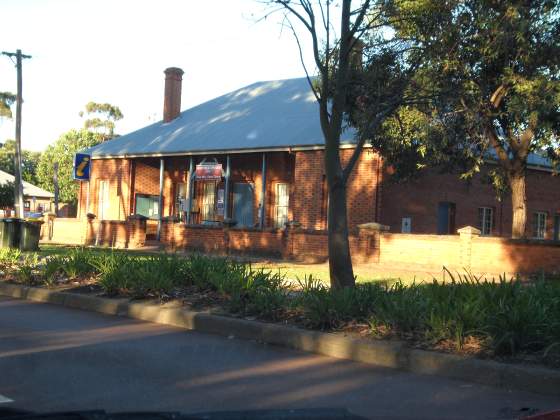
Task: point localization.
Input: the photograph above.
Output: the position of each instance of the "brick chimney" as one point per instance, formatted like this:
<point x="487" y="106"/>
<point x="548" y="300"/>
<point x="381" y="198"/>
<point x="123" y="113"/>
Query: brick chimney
<point x="172" y="98"/>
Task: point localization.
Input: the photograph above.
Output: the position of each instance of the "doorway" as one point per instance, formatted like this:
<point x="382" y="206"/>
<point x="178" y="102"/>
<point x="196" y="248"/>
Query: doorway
<point x="243" y="198"/>
<point x="446" y="218"/>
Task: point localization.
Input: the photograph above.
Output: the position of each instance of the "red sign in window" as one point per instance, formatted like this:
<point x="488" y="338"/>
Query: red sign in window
<point x="209" y="171"/>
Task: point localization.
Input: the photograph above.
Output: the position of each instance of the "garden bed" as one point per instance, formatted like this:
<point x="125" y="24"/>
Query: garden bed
<point x="506" y="320"/>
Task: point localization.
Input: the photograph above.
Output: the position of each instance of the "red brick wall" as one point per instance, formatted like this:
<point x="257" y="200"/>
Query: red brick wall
<point x="500" y="255"/>
<point x="65" y="231"/>
<point x="419" y="252"/>
<point x="312" y="246"/>
<point x="121" y="234"/>
<point x="309" y="201"/>
<point x="117" y="173"/>
<point x="419" y="200"/>
<point x="490" y="256"/>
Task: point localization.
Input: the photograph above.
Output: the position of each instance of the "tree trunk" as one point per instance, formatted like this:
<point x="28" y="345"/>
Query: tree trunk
<point x="340" y="263"/>
<point x="519" y="204"/>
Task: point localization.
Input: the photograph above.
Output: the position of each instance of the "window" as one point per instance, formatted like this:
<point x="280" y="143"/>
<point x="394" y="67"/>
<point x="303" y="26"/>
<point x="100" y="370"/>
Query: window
<point x="180" y="199"/>
<point x="281" y="205"/>
<point x="147" y="205"/>
<point x="103" y="203"/>
<point x="486" y="220"/>
<point x="539" y="225"/>
<point x="27" y="205"/>
<point x="208" y="201"/>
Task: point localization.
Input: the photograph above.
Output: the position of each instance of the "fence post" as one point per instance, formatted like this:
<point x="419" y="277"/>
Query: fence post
<point x="466" y="235"/>
<point x="369" y="241"/>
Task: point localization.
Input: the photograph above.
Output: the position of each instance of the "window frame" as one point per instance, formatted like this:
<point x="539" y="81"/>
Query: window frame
<point x="536" y="225"/>
<point x="278" y="224"/>
<point x="154" y="197"/>
<point x="486" y="220"/>
<point x="177" y="211"/>
<point x="210" y="205"/>
<point x="103" y="200"/>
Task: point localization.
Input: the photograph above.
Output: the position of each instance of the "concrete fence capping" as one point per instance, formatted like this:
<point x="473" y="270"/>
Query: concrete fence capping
<point x="373" y="227"/>
<point x="375" y="352"/>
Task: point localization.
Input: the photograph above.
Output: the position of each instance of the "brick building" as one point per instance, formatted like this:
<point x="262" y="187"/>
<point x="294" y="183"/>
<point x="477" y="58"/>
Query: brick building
<point x="250" y="161"/>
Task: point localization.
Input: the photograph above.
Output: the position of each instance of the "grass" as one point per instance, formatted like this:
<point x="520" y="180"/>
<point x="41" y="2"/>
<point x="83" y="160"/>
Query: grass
<point x="293" y="271"/>
<point x="497" y="318"/>
<point x="365" y="273"/>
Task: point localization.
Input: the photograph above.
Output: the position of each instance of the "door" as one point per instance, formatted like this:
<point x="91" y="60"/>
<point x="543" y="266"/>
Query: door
<point x="103" y="210"/>
<point x="282" y="204"/>
<point x="208" y="202"/>
<point x="243" y="204"/>
<point x="557" y="227"/>
<point x="446" y="218"/>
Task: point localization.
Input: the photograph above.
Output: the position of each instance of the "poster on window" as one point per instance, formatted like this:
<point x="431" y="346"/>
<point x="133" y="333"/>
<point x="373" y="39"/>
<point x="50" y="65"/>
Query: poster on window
<point x="208" y="171"/>
<point x="220" y="201"/>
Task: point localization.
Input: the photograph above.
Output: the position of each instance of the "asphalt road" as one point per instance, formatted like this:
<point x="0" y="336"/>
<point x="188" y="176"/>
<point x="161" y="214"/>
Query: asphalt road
<point x="54" y="358"/>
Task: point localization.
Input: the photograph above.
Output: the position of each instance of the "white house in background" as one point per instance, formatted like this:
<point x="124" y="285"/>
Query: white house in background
<point x="35" y="199"/>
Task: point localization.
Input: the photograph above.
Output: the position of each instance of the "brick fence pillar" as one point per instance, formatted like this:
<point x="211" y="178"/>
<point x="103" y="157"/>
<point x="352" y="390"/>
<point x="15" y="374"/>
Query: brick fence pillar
<point x="466" y="235"/>
<point x="89" y="232"/>
<point x="288" y="240"/>
<point x="136" y="230"/>
<point x="369" y="241"/>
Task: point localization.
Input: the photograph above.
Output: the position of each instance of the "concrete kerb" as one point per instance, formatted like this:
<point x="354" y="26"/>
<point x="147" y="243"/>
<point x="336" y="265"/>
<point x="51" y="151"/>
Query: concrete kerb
<point x="390" y="354"/>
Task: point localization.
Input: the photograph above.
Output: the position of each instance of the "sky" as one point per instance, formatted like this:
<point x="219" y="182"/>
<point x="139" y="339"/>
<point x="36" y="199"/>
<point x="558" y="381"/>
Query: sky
<point x="115" y="51"/>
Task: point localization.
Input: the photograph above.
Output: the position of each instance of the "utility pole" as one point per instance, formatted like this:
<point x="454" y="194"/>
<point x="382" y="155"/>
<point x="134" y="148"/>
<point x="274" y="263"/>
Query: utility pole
<point x="56" y="189"/>
<point x="17" y="158"/>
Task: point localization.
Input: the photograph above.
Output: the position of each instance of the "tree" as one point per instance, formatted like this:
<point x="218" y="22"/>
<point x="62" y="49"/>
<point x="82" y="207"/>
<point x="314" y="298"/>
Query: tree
<point x="6" y="101"/>
<point x="7" y="194"/>
<point x="62" y="152"/>
<point x="350" y="91"/>
<point x="29" y="161"/>
<point x="102" y="118"/>
<point x="497" y="71"/>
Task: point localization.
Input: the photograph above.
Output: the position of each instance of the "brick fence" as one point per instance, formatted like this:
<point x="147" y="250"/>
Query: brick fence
<point x="467" y="251"/>
<point x="290" y="243"/>
<point x="130" y="233"/>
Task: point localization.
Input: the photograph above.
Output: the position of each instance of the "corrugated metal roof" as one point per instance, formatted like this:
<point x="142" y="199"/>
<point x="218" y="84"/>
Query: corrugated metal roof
<point x="29" y="190"/>
<point x="277" y="114"/>
<point x="265" y="115"/>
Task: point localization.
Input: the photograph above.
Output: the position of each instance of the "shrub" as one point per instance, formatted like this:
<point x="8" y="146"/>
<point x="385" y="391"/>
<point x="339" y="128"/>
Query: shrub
<point x="26" y="267"/>
<point x="114" y="273"/>
<point x="156" y="275"/>
<point x="9" y="257"/>
<point x="78" y="263"/>
<point x="51" y="270"/>
<point x="505" y="316"/>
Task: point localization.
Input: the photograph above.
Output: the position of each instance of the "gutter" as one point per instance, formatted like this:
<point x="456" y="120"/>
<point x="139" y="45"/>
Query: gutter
<point x="222" y="152"/>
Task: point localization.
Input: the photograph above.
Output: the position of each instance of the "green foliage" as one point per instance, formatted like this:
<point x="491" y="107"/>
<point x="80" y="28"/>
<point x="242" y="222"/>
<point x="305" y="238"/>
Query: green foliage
<point x="9" y="257"/>
<point x="26" y="267"/>
<point x="77" y="263"/>
<point x="505" y="317"/>
<point x="6" y="101"/>
<point x="62" y="152"/>
<point x="102" y="118"/>
<point x="494" y="78"/>
<point x="29" y="161"/>
<point x="250" y="291"/>
<point x="52" y="269"/>
<point x="7" y="194"/>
